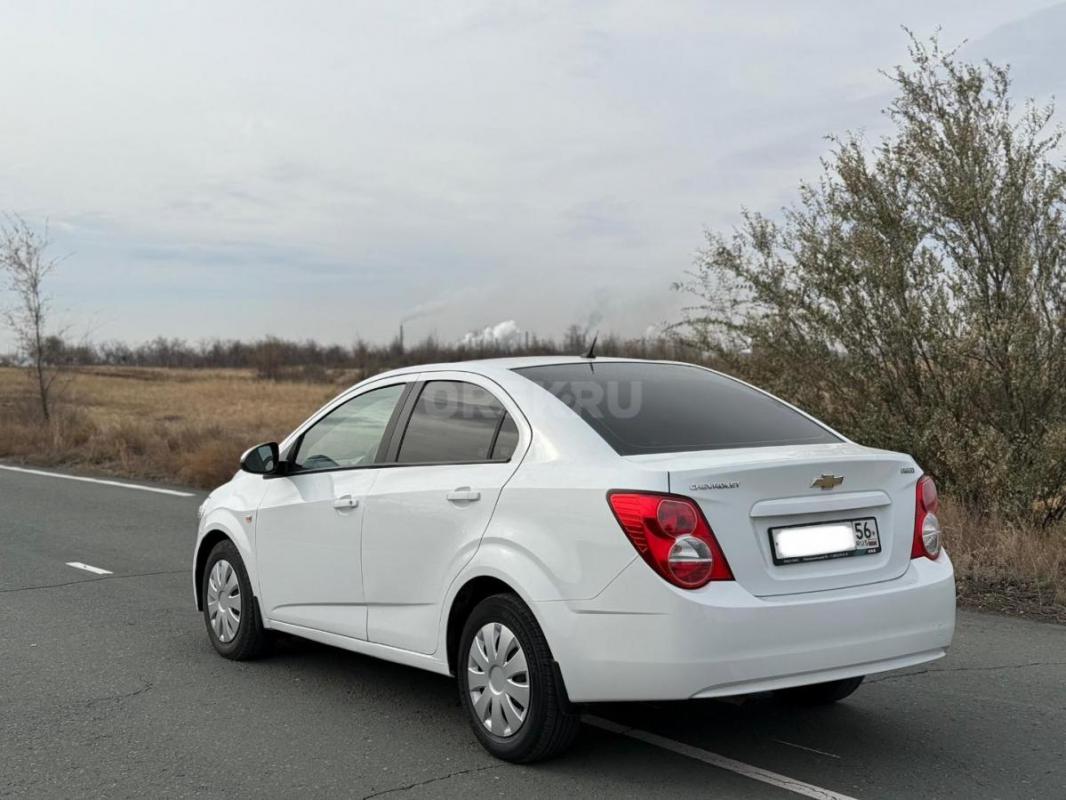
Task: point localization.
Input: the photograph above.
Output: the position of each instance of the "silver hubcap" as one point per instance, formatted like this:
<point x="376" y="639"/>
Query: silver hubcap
<point x="498" y="680"/>
<point x="224" y="601"/>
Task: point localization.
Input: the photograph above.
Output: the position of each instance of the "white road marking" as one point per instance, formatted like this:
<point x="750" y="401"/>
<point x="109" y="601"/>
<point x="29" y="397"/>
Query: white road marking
<point x="121" y="484"/>
<point x="715" y="760"/>
<point x="88" y="568"/>
<point x="808" y="749"/>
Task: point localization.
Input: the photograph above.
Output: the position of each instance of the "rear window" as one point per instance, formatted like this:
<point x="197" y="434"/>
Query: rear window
<point x="669" y="408"/>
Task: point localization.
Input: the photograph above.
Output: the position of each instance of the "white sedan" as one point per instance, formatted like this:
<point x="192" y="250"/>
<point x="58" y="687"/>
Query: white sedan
<point x="557" y="531"/>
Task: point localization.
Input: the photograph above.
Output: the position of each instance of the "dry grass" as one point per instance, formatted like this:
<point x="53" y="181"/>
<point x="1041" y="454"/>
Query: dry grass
<point x="190" y="426"/>
<point x="183" y="426"/>
<point x="1002" y="566"/>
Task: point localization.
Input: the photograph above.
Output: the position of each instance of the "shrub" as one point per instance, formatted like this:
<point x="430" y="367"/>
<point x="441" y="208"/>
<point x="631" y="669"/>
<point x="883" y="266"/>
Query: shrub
<point x="913" y="295"/>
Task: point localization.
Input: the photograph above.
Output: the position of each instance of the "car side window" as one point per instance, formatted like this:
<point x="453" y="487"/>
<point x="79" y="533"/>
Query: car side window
<point x="453" y="422"/>
<point x="349" y="436"/>
<point x="506" y="440"/>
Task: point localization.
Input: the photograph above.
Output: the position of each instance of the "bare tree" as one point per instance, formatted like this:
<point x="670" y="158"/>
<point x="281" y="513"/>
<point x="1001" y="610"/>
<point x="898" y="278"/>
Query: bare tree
<point x="23" y="260"/>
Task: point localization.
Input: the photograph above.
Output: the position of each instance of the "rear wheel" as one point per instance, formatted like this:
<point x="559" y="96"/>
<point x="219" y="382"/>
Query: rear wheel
<point x="230" y="611"/>
<point x="820" y="694"/>
<point x="508" y="683"/>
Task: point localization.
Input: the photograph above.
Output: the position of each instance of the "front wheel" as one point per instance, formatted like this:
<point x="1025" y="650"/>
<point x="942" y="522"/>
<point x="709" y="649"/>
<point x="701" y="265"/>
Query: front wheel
<point x="230" y="611"/>
<point x="508" y="683"/>
<point x="820" y="694"/>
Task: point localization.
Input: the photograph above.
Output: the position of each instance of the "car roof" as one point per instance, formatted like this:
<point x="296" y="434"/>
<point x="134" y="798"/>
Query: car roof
<point x="491" y="366"/>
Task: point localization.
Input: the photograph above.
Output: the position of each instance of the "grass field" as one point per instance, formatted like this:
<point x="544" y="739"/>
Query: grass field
<point x="190" y="426"/>
<point x="183" y="426"/>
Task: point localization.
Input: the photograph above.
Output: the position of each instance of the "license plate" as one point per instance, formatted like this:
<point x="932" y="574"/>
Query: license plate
<point x="822" y="541"/>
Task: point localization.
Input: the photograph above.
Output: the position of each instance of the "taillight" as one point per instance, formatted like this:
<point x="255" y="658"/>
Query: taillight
<point x="926" y="525"/>
<point x="671" y="534"/>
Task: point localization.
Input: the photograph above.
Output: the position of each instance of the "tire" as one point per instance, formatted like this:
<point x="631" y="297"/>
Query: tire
<point x="549" y="724"/>
<point x="820" y="694"/>
<point x="242" y="638"/>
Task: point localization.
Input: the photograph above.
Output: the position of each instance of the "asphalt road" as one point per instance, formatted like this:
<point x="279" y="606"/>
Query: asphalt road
<point x="109" y="688"/>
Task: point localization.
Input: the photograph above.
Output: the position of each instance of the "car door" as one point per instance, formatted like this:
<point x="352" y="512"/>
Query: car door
<point x="310" y="522"/>
<point x="458" y="445"/>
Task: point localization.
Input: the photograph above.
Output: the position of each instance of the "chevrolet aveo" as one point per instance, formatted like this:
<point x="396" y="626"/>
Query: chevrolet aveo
<point x="558" y="531"/>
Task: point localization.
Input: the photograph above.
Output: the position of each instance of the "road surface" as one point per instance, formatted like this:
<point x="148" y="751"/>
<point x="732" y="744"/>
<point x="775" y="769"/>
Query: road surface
<point x="109" y="688"/>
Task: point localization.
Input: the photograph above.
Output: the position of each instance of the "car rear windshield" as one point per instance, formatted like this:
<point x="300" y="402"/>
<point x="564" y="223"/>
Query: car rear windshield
<point x="640" y="407"/>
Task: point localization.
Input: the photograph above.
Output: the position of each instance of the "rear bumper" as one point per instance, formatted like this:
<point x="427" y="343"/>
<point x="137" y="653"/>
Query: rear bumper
<point x="642" y="639"/>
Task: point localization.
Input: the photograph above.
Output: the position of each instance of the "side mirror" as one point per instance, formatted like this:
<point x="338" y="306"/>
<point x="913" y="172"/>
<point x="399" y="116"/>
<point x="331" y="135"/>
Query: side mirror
<point x="263" y="459"/>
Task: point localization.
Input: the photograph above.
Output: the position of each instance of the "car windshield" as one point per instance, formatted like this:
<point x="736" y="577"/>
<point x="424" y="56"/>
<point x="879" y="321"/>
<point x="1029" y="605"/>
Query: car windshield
<point x="642" y="407"/>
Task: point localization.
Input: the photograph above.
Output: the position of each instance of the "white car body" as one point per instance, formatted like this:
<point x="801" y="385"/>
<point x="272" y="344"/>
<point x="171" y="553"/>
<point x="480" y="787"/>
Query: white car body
<point x="381" y="574"/>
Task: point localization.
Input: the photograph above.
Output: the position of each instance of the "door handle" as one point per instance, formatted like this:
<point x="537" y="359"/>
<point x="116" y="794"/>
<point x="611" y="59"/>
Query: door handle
<point x="345" y="502"/>
<point x="463" y="495"/>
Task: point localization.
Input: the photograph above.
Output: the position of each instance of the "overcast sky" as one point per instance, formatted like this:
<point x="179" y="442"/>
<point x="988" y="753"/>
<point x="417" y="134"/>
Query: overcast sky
<point x="326" y="169"/>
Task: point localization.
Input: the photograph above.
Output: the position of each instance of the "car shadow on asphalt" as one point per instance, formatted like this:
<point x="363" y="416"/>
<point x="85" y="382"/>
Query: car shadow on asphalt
<point x="739" y="727"/>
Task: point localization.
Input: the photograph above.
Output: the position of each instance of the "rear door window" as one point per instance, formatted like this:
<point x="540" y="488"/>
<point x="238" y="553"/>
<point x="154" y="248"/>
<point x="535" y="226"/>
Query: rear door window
<point x="454" y="422"/>
<point x="642" y="407"/>
<point x="506" y="440"/>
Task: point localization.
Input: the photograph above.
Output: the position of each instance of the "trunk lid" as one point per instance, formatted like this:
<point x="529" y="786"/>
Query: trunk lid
<point x="745" y="493"/>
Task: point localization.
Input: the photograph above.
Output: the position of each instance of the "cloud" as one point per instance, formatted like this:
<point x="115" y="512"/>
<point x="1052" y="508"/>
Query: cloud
<point x="328" y="172"/>
<point x="1032" y="46"/>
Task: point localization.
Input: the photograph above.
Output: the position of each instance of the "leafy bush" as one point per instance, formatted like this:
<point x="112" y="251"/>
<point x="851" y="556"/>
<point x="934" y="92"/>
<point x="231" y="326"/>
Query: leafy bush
<point x="913" y="294"/>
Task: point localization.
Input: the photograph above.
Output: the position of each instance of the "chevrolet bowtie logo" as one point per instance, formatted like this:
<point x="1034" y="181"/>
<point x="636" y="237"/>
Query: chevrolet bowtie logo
<point x="827" y="481"/>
